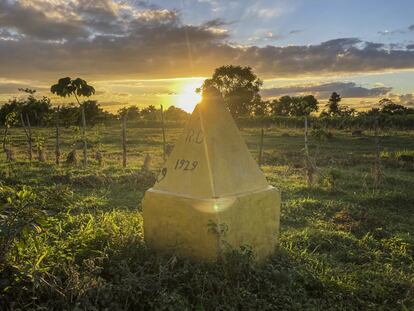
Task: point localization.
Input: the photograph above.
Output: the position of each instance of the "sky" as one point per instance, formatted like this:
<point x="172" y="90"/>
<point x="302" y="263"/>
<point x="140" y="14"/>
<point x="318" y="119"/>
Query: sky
<point x="157" y="52"/>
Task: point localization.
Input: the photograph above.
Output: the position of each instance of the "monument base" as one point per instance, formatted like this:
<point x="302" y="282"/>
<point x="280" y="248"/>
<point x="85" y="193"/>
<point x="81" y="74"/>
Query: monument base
<point x="205" y="228"/>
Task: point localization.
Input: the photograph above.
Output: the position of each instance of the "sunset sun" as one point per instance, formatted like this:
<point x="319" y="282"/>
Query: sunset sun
<point x="187" y="97"/>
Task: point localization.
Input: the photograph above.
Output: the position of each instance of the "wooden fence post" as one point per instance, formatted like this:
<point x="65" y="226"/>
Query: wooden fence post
<point x="85" y="147"/>
<point x="261" y="147"/>
<point x="57" y="147"/>
<point x="377" y="168"/>
<point x="28" y="131"/>
<point x="306" y="137"/>
<point x="164" y="143"/>
<point x="124" y="144"/>
<point x="308" y="164"/>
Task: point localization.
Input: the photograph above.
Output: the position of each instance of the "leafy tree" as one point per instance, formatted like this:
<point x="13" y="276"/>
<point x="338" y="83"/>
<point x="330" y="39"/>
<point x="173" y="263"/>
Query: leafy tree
<point x="77" y="87"/>
<point x="334" y="109"/>
<point x="305" y="105"/>
<point x="260" y="108"/>
<point x="239" y="87"/>
<point x="389" y="107"/>
<point x="333" y="104"/>
<point x="280" y="107"/>
<point x="131" y="112"/>
<point x="10" y="120"/>
<point x="12" y="106"/>
<point x="94" y="112"/>
<point x="294" y="106"/>
<point x="175" y="114"/>
<point x="69" y="114"/>
<point x="39" y="111"/>
<point x="149" y="113"/>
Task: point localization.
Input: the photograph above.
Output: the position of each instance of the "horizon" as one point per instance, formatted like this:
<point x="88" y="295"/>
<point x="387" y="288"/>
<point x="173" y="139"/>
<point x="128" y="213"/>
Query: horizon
<point x="157" y="52"/>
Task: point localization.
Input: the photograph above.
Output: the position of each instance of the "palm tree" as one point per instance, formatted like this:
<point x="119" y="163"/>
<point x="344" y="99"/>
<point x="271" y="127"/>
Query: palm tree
<point x="77" y="87"/>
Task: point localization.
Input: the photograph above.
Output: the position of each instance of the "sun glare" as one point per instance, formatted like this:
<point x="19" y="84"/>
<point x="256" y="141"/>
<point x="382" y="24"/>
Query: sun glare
<point x="188" y="98"/>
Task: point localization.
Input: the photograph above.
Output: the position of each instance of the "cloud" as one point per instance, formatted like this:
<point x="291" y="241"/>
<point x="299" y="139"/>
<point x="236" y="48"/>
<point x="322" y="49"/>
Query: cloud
<point x="339" y="56"/>
<point x="35" y="23"/>
<point x="396" y="31"/>
<point x="324" y="90"/>
<point x="391" y="32"/>
<point x="217" y="22"/>
<point x="118" y="39"/>
<point x="295" y="31"/>
<point x="406" y="99"/>
<point x="11" y="86"/>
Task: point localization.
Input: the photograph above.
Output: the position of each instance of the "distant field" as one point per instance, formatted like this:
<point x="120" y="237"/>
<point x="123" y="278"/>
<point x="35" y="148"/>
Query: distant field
<point x="344" y="245"/>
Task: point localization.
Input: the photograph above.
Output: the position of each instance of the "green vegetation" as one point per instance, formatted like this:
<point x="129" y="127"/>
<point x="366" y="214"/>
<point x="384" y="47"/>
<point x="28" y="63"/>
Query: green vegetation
<point x="72" y="238"/>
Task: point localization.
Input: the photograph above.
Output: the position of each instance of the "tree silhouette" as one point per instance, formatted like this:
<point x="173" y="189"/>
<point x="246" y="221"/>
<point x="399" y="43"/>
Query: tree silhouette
<point x="333" y="104"/>
<point x="391" y="108"/>
<point x="294" y="106"/>
<point x="77" y="87"/>
<point x="239" y="87"/>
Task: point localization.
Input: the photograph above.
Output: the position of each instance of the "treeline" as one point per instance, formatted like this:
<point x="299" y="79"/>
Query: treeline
<point x="290" y="111"/>
<point x="240" y="89"/>
<point x="41" y="112"/>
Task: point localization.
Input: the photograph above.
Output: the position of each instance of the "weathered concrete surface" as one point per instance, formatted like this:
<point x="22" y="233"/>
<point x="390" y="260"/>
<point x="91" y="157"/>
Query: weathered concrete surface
<point x="211" y="194"/>
<point x="206" y="228"/>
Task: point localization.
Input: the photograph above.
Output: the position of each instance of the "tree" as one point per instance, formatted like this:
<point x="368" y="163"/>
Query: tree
<point x="131" y="112"/>
<point x="304" y="106"/>
<point x="260" y="108"/>
<point x="239" y="87"/>
<point x="281" y="107"/>
<point x="39" y="111"/>
<point x="10" y="120"/>
<point x="175" y="114"/>
<point x="94" y="113"/>
<point x="69" y="114"/>
<point x="77" y="87"/>
<point x="391" y="108"/>
<point x="333" y="104"/>
<point x="149" y="113"/>
<point x="294" y="106"/>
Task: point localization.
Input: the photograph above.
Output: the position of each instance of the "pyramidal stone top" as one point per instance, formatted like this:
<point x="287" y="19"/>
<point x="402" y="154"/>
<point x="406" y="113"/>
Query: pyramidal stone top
<point x="211" y="159"/>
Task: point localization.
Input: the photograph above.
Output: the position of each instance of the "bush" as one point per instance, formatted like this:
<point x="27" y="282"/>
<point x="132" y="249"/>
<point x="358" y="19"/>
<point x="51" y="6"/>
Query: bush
<point x="19" y="215"/>
<point x="321" y="134"/>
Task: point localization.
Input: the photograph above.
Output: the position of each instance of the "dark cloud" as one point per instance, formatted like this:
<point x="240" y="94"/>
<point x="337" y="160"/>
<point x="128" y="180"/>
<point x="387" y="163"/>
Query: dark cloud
<point x="295" y="31"/>
<point x="411" y="27"/>
<point x="34" y="23"/>
<point x="410" y="47"/>
<point x="217" y="22"/>
<point x="101" y="39"/>
<point x="328" y="58"/>
<point x="323" y="91"/>
<point x="373" y="46"/>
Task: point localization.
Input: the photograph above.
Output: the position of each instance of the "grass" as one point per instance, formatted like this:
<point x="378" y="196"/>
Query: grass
<point x="344" y="245"/>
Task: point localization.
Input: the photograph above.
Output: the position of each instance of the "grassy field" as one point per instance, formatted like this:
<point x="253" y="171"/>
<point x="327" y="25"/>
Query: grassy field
<point x="344" y="245"/>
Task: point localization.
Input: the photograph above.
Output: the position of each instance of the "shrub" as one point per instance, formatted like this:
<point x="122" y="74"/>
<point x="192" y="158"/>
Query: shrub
<point x="321" y="134"/>
<point x="19" y="215"/>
